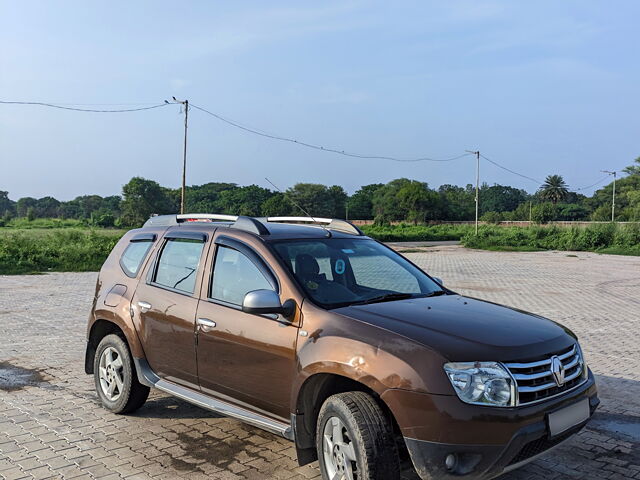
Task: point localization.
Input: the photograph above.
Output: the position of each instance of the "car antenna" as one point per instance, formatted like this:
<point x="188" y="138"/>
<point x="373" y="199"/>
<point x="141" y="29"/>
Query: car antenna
<point x="298" y="205"/>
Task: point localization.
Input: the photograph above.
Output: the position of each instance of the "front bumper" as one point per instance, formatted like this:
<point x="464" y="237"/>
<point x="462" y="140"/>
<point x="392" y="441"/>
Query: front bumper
<point x="495" y="440"/>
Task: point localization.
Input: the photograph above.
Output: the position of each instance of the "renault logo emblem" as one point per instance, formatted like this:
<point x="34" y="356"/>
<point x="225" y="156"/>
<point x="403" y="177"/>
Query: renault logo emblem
<point x="557" y="369"/>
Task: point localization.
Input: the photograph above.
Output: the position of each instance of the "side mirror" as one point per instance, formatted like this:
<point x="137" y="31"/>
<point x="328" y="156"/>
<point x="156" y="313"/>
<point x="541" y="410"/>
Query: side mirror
<point x="261" y="302"/>
<point x="438" y="280"/>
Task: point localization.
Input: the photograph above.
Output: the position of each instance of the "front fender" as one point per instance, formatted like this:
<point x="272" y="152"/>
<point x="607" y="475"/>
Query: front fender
<point x="356" y="360"/>
<point x="367" y="354"/>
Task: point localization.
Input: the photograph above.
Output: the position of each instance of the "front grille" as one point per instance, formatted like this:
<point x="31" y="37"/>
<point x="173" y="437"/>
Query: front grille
<point x="535" y="381"/>
<point x="535" y="447"/>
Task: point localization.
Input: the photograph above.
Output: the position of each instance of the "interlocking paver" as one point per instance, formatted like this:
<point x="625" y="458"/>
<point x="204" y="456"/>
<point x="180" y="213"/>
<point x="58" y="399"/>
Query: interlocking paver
<point x="54" y="427"/>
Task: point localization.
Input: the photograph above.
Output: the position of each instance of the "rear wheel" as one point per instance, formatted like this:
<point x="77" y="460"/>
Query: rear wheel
<point x="355" y="440"/>
<point x="115" y="377"/>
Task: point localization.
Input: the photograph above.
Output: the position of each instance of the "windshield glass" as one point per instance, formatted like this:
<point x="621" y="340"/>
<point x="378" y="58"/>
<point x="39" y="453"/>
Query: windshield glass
<point x="336" y="272"/>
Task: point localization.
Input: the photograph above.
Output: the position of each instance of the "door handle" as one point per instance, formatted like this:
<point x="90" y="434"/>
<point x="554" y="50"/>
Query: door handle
<point x="205" y="324"/>
<point x="144" y="306"/>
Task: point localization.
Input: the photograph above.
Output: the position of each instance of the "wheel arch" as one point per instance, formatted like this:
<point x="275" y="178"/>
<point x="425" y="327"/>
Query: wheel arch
<point x="311" y="396"/>
<point x="100" y="329"/>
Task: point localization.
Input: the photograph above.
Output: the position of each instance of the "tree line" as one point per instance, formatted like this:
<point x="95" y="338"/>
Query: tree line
<point x="399" y="200"/>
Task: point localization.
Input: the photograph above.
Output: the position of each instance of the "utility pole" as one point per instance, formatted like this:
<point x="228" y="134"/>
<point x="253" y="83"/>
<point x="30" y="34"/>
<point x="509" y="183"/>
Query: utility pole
<point x="530" y="211"/>
<point x="184" y="153"/>
<point x="477" y="154"/>
<point x="613" y="201"/>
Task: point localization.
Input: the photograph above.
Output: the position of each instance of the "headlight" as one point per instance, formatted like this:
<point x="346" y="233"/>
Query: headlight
<point x="482" y="383"/>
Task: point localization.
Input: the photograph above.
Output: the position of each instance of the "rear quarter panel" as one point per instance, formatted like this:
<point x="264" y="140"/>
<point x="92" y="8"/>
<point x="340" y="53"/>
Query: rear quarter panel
<point x="114" y="290"/>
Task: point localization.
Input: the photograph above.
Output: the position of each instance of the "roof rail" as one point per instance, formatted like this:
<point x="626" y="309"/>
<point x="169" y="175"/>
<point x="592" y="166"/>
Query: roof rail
<point x="251" y="224"/>
<point x="186" y="217"/>
<point x="189" y="217"/>
<point x="331" y="223"/>
<point x="248" y="224"/>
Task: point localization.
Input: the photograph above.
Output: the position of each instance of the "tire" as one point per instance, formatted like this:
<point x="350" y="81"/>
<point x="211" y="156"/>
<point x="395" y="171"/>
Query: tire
<point x="115" y="377"/>
<point x="364" y="448"/>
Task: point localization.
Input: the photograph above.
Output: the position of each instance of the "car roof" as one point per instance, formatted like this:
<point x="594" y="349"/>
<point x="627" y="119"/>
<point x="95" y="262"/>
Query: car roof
<point x="267" y="228"/>
<point x="280" y="231"/>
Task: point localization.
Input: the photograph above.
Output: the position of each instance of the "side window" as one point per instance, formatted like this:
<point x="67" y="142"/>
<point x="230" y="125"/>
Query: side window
<point x="234" y="275"/>
<point x="133" y="256"/>
<point x="178" y="264"/>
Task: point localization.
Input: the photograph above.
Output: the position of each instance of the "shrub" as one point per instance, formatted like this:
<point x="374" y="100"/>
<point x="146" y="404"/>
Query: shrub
<point x="492" y="217"/>
<point x="602" y="213"/>
<point x="628" y="236"/>
<point x="609" y="238"/>
<point x="66" y="250"/>
<point x="104" y="220"/>
<point x="543" y="213"/>
<point x="415" y="233"/>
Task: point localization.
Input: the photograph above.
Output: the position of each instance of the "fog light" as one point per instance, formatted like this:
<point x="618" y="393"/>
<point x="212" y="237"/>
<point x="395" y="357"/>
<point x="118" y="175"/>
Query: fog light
<point x="451" y="461"/>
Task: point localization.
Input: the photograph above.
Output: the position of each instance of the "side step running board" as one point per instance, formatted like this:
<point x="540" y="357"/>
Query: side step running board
<point x="147" y="377"/>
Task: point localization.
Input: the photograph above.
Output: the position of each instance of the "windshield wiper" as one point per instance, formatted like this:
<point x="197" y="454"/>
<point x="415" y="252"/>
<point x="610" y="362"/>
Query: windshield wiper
<point x="435" y="293"/>
<point x="387" y="297"/>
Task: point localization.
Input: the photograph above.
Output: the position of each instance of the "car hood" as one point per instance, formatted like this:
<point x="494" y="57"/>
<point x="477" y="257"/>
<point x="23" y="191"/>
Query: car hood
<point x="465" y="329"/>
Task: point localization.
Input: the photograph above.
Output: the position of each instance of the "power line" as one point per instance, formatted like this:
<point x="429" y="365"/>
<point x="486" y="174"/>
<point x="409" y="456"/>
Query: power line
<point x="262" y="133"/>
<point x="593" y="184"/>
<point x="75" y="109"/>
<point x="320" y="147"/>
<point x="511" y="171"/>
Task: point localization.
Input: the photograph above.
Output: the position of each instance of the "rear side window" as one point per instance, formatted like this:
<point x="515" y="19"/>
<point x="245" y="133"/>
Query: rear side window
<point x="178" y="264"/>
<point x="133" y="256"/>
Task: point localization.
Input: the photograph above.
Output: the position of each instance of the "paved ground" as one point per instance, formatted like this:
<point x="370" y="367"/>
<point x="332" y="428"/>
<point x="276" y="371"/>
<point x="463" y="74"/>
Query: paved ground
<point x="410" y="245"/>
<point x="51" y="425"/>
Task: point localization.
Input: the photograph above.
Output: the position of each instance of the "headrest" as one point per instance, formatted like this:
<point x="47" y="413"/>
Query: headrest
<point x="306" y="265"/>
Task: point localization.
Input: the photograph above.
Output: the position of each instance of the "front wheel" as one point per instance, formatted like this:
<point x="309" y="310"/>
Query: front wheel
<point x="355" y="440"/>
<point x="115" y="377"/>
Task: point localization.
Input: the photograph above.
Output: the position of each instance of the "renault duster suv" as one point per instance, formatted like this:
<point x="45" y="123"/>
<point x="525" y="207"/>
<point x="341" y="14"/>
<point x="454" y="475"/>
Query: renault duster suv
<point x="309" y="329"/>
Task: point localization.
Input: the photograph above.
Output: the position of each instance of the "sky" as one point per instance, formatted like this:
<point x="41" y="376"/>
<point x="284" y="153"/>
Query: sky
<point x="541" y="87"/>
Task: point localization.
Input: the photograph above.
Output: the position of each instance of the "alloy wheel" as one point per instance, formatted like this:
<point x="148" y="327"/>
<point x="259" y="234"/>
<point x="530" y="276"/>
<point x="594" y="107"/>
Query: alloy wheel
<point x="339" y="454"/>
<point x="111" y="374"/>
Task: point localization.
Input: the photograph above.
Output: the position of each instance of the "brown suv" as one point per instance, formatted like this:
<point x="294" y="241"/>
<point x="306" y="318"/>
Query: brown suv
<point x="309" y="329"/>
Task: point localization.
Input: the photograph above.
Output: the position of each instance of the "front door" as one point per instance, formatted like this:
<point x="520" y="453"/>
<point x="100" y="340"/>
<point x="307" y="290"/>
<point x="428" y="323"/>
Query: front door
<point x="244" y="358"/>
<point x="166" y="303"/>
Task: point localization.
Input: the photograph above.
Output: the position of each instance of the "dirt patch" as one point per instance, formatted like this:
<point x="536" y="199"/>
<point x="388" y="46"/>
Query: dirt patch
<point x="622" y="427"/>
<point x="626" y="427"/>
<point x="14" y="378"/>
<point x="212" y="450"/>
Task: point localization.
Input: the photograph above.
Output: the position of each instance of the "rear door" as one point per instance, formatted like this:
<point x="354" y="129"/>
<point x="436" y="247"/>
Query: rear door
<point x="248" y="359"/>
<point x="166" y="301"/>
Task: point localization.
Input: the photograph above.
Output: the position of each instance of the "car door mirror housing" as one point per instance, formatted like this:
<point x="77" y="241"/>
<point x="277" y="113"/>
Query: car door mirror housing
<point x="261" y="302"/>
<point x="438" y="280"/>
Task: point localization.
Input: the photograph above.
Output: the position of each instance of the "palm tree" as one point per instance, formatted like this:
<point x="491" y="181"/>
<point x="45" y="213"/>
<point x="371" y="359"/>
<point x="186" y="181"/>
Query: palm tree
<point x="633" y="169"/>
<point x="554" y="188"/>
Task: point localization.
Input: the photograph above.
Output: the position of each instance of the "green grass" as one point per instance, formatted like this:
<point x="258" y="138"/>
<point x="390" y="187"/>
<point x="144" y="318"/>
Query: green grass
<point x="25" y="251"/>
<point x="632" y="251"/>
<point x="601" y="238"/>
<point x="48" y="223"/>
<point x="416" y="233"/>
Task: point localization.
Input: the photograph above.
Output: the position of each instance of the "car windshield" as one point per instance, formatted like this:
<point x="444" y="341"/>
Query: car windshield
<point x="336" y="272"/>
